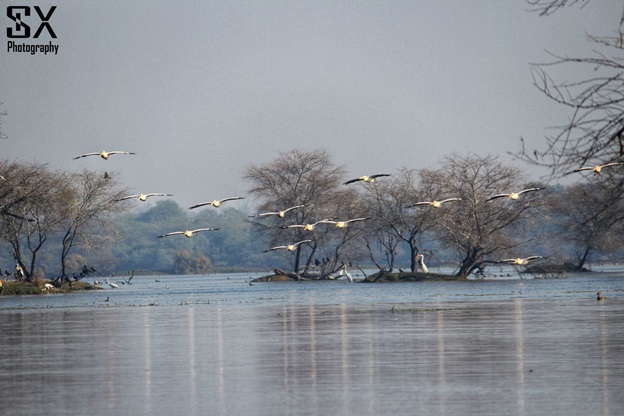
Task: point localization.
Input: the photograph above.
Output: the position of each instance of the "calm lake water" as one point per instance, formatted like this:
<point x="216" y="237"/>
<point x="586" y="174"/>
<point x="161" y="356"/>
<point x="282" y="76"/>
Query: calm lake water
<point x="216" y="345"/>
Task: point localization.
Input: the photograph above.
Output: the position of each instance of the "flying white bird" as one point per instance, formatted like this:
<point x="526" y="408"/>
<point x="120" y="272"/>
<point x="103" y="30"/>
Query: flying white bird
<point x="520" y="261"/>
<point x="365" y="178"/>
<point x="187" y="233"/>
<point x="289" y="247"/>
<point x="343" y="224"/>
<point x="596" y="169"/>
<point x="280" y="213"/>
<point x="434" y="203"/>
<point x="514" y="195"/>
<point x="309" y="227"/>
<point x="217" y="202"/>
<point x="143" y="197"/>
<point x="104" y="154"/>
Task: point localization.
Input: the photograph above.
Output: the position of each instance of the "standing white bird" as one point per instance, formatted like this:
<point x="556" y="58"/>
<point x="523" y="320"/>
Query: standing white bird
<point x="514" y="195"/>
<point x="434" y="203"/>
<point x="421" y="262"/>
<point x="188" y="233"/>
<point x="596" y="169"/>
<point x="366" y="178"/>
<point x="280" y="213"/>
<point x="520" y="261"/>
<point x="143" y="197"/>
<point x="289" y="247"/>
<point x="344" y="224"/>
<point x="343" y="272"/>
<point x="104" y="154"/>
<point x="217" y="202"/>
<point x="112" y="285"/>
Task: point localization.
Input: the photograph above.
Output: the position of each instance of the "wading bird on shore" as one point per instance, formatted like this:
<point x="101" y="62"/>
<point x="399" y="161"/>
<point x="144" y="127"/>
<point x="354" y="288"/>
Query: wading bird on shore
<point x="421" y="262"/>
<point x="143" y="197"/>
<point x="343" y="224"/>
<point x="365" y="178"/>
<point x="104" y="154"/>
<point x="434" y="203"/>
<point x="514" y="195"/>
<point x="289" y="247"/>
<point x="596" y="169"/>
<point x="188" y="233"/>
<point x="217" y="202"/>
<point x="280" y="213"/>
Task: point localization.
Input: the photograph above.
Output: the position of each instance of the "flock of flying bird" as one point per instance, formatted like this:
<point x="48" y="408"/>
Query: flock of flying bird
<point x="338" y="224"/>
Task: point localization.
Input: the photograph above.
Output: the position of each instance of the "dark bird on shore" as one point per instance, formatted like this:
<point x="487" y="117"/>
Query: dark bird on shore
<point x="104" y="154"/>
<point x="289" y="247"/>
<point x="344" y="224"/>
<point x="520" y="261"/>
<point x="143" y="197"/>
<point x="596" y="169"/>
<point x="217" y="202"/>
<point x="514" y="195"/>
<point x="280" y="213"/>
<point x="366" y="178"/>
<point x="434" y="203"/>
<point x="188" y="233"/>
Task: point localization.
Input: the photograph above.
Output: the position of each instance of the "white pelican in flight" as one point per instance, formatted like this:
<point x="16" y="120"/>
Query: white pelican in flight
<point x="596" y="169"/>
<point x="217" y="202"/>
<point x="188" y="233"/>
<point x="434" y="203"/>
<point x="309" y="227"/>
<point x="289" y="247"/>
<point x="280" y="213"/>
<point x="343" y="224"/>
<point x="143" y="197"/>
<point x="514" y="195"/>
<point x="421" y="261"/>
<point x="104" y="154"/>
<point x="520" y="261"/>
<point x="365" y="178"/>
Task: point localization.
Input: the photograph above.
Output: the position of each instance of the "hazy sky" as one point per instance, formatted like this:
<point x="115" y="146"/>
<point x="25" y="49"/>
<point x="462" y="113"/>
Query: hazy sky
<point x="202" y="89"/>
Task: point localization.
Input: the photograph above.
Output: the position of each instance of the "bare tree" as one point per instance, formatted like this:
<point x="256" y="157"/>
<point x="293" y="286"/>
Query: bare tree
<point x="394" y="220"/>
<point x="590" y="215"/>
<point x="479" y="228"/>
<point x="594" y="133"/>
<point x="29" y="210"/>
<point x="307" y="178"/>
<point x="88" y="201"/>
<point x="3" y="114"/>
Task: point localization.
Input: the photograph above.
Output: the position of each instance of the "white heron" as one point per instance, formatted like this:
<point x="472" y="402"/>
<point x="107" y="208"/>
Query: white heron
<point x="112" y="285"/>
<point x="343" y="272"/>
<point x="421" y="261"/>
